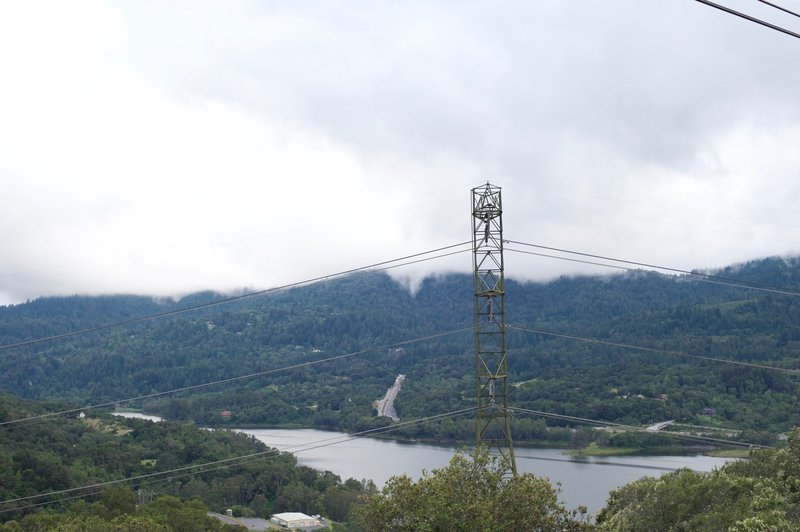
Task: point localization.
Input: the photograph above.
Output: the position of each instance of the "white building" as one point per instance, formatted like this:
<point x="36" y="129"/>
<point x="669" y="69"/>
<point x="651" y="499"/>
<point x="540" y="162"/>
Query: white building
<point x="295" y="520"/>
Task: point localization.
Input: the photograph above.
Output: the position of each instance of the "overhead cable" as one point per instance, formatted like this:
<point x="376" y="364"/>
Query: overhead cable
<point x="517" y="456"/>
<point x="654" y="350"/>
<point x="750" y="18"/>
<point x="231" y="299"/>
<point x="781" y="8"/>
<point x="14" y="422"/>
<point x="636" y="429"/>
<point x="716" y="279"/>
<point x="227" y="462"/>
<point x="616" y="266"/>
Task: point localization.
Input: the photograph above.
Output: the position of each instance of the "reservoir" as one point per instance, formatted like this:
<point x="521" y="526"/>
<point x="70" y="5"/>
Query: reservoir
<point x="584" y="481"/>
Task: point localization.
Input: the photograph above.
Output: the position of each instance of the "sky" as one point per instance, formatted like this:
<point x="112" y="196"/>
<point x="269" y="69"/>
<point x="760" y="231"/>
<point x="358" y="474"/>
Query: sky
<point x="164" y="147"/>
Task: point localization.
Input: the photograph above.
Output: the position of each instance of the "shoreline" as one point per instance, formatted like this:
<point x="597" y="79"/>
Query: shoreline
<point x="591" y="451"/>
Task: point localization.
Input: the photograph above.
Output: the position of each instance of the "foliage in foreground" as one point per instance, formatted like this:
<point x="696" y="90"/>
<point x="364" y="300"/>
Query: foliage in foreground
<point x="759" y="494"/>
<point x="472" y="493"/>
<point x="117" y="512"/>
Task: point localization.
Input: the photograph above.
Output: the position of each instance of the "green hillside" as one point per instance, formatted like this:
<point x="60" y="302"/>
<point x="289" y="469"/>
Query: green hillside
<point x="367" y="311"/>
<point x="57" y="456"/>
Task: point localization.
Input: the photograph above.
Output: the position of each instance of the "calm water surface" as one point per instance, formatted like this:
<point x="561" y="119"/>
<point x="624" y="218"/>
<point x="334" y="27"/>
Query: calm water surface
<point x="584" y="481"/>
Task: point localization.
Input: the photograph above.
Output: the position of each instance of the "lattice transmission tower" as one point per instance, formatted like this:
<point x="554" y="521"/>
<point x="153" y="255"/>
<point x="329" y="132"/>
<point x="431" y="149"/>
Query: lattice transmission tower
<point x="491" y="359"/>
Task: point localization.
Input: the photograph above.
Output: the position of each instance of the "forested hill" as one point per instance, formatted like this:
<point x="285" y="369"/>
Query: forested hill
<point x="52" y="455"/>
<point x="371" y="310"/>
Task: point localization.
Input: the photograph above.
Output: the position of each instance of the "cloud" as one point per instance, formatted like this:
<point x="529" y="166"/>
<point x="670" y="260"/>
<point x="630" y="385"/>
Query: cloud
<point x="166" y="147"/>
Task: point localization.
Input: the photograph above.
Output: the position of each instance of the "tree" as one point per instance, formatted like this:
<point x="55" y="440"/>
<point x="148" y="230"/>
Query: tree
<point x="182" y="516"/>
<point x="125" y="523"/>
<point x="118" y="500"/>
<point x="296" y="497"/>
<point x="472" y="493"/>
<point x="759" y="494"/>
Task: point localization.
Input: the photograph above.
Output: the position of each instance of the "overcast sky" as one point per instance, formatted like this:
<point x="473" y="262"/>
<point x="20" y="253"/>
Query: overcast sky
<point x="166" y="147"/>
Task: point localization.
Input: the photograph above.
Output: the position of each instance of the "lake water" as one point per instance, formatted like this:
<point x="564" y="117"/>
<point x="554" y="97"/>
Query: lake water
<point x="586" y="481"/>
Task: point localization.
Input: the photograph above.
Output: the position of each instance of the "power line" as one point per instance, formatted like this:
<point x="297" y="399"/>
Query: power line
<point x="654" y="350"/>
<point x="197" y="469"/>
<point x="716" y="279"/>
<point x="636" y="429"/>
<point x="571" y="260"/>
<point x="227" y="462"/>
<point x="408" y="263"/>
<point x="224" y="301"/>
<point x="229" y="299"/>
<point x="379" y="430"/>
<point x="751" y="18"/>
<point x="6" y="424"/>
<point x="776" y="6"/>
<point x="727" y="429"/>
<point x="598" y="463"/>
<point x="698" y="277"/>
<point x="625" y="268"/>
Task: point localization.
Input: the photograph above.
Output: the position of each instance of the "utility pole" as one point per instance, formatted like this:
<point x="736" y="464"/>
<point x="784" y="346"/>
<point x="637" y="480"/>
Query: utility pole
<point x="491" y="360"/>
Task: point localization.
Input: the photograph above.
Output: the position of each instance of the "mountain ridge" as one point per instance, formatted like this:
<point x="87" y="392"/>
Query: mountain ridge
<point x="368" y="310"/>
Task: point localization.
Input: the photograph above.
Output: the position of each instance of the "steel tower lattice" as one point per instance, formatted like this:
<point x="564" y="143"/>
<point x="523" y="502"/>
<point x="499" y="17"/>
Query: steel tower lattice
<point x="491" y="360"/>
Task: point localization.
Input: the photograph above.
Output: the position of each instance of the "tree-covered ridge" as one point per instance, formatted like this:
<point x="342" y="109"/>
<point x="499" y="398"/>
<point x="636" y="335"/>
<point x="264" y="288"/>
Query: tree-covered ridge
<point x="371" y="310"/>
<point x="54" y="455"/>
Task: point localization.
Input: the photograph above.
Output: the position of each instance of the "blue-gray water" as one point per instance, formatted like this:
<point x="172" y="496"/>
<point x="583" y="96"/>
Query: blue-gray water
<point x="585" y="481"/>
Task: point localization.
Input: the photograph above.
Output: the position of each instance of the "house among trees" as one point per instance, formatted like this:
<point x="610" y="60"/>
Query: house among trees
<point x="709" y="411"/>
